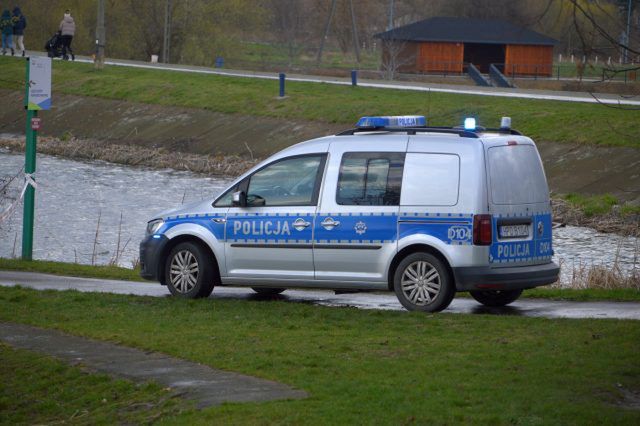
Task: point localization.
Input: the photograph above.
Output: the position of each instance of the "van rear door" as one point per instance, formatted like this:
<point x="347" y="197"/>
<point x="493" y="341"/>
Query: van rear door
<point x="519" y="204"/>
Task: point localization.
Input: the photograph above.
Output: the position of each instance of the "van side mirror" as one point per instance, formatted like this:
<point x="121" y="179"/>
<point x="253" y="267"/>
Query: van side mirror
<point x="239" y="199"/>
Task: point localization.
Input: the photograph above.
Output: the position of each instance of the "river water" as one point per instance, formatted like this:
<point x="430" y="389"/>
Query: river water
<point x="77" y="200"/>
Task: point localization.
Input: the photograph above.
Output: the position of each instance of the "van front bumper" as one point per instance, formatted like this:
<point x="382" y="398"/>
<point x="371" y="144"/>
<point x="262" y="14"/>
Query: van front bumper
<point x="508" y="278"/>
<point x="150" y="251"/>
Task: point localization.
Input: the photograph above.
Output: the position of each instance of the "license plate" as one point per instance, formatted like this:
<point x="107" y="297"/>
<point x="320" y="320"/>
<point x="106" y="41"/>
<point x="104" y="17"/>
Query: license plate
<point x="514" y="231"/>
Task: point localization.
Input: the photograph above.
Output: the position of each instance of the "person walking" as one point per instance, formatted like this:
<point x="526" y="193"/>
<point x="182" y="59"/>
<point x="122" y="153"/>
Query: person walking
<point x="67" y="31"/>
<point x="19" y="25"/>
<point x="6" y="27"/>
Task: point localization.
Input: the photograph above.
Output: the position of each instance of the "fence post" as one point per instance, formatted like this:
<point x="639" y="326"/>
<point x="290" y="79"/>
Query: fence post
<point x="354" y="77"/>
<point x="282" y="76"/>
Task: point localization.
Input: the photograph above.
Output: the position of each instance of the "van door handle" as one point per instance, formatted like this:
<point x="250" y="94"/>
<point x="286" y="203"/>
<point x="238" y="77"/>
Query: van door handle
<point x="219" y="220"/>
<point x="299" y="224"/>
<point x="329" y="223"/>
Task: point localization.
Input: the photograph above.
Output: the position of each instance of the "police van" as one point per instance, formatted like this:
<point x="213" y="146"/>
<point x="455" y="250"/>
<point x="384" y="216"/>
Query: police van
<point x="389" y="205"/>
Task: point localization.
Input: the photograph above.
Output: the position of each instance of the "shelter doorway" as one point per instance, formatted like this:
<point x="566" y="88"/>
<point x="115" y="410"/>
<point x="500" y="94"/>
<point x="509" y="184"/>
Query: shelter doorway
<point x="482" y="55"/>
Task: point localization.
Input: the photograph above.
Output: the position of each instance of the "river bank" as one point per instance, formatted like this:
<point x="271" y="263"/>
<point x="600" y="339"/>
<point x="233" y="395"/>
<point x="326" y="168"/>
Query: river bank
<point x="133" y="155"/>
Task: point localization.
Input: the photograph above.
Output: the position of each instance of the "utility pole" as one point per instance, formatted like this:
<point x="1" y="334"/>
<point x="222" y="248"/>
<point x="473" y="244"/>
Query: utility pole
<point x="390" y="25"/>
<point x="100" y="37"/>
<point x="354" y="29"/>
<point x="326" y="31"/>
<point x="166" y="46"/>
<point x="627" y="38"/>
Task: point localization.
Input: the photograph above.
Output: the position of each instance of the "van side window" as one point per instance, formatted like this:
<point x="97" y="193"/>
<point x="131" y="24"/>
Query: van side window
<point x="370" y="179"/>
<point x="430" y="179"/>
<point x="225" y="200"/>
<point x="290" y="182"/>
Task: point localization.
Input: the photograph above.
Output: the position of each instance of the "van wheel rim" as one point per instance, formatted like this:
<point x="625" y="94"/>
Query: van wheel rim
<point x="420" y="283"/>
<point x="184" y="271"/>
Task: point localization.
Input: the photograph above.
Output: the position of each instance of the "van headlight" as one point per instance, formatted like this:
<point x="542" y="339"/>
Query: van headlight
<point x="154" y="225"/>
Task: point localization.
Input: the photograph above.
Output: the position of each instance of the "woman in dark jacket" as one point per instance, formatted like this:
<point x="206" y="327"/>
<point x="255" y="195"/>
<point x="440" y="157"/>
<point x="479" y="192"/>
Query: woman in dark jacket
<point x="6" y="28"/>
<point x="19" y="24"/>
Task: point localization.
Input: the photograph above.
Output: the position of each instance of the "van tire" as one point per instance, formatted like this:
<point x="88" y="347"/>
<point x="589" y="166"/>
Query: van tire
<point x="189" y="272"/>
<point x="422" y="283"/>
<point x="496" y="298"/>
<point x="267" y="291"/>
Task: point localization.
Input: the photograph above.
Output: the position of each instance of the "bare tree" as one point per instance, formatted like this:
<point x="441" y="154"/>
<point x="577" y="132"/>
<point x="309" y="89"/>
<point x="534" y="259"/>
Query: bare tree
<point x="396" y="55"/>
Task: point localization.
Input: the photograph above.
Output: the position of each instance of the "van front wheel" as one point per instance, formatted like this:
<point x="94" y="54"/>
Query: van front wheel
<point x="495" y="298"/>
<point x="189" y="272"/>
<point x="423" y="283"/>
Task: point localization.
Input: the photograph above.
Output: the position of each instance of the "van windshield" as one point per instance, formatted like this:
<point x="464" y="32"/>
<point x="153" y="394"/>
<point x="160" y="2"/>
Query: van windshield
<point x="516" y="175"/>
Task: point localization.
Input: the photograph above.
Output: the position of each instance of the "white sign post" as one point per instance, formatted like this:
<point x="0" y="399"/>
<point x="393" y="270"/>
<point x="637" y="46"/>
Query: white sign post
<point x="39" y="84"/>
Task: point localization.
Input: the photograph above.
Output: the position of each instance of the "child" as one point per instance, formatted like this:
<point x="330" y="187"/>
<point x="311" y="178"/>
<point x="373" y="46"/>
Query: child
<point x="6" y="27"/>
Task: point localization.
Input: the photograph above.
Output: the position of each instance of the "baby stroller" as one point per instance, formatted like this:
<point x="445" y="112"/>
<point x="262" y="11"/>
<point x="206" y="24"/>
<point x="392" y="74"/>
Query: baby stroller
<point x="54" y="46"/>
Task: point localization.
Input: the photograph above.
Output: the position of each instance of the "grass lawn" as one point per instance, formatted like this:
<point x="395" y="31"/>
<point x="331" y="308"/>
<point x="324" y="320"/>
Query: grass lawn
<point x="600" y="204"/>
<point x="543" y="120"/>
<point x="363" y="366"/>
<point x="118" y="273"/>
<point x="40" y="390"/>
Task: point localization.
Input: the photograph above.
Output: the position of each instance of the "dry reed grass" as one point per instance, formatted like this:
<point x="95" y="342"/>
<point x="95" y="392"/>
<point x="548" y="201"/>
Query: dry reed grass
<point x="602" y="276"/>
<point x="136" y="156"/>
<point x="568" y="214"/>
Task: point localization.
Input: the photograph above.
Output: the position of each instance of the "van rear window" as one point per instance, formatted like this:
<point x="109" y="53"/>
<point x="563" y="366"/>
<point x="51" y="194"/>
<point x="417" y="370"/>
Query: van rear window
<point x="516" y="175"/>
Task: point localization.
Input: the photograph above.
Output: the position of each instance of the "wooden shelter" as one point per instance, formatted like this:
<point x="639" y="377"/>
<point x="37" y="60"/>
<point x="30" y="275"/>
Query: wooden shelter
<point x="450" y="44"/>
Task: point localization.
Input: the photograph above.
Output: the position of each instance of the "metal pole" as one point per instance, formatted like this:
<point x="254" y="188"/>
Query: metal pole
<point x="390" y="25"/>
<point x="354" y="29"/>
<point x="627" y="35"/>
<point x="29" y="168"/>
<point x="100" y="36"/>
<point x="281" y="78"/>
<point x="166" y="46"/>
<point x="326" y="31"/>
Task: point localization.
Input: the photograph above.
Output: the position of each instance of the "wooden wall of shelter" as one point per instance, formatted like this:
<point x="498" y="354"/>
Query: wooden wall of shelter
<point x="438" y="57"/>
<point x="523" y="59"/>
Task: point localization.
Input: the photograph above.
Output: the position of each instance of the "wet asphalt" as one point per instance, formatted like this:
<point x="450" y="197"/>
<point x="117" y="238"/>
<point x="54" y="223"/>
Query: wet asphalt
<point x="381" y="301"/>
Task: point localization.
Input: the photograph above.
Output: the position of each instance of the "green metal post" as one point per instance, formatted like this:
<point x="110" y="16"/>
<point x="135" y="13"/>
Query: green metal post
<point x="29" y="168"/>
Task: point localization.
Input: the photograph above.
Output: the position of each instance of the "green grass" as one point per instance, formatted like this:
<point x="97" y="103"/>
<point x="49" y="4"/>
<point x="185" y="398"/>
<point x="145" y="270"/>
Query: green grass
<point x="40" y="390"/>
<point x="117" y="273"/>
<point x="543" y="120"/>
<point x="71" y="269"/>
<point x="368" y="366"/>
<point x="273" y="54"/>
<point x="595" y="205"/>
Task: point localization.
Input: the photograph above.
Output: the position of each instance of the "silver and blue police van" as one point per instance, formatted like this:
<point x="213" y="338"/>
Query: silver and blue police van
<point x="391" y="205"/>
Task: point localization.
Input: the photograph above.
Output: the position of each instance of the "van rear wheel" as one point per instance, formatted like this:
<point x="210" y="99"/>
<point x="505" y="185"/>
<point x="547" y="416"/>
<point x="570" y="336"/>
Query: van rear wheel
<point x="189" y="272"/>
<point x="496" y="298"/>
<point x="422" y="283"/>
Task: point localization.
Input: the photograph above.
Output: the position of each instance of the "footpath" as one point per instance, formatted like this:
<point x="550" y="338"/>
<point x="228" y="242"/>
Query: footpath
<point x="204" y="385"/>
<point x="381" y="301"/>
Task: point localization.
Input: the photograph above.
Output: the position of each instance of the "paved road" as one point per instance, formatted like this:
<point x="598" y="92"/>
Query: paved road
<point x="384" y="84"/>
<point x="384" y="301"/>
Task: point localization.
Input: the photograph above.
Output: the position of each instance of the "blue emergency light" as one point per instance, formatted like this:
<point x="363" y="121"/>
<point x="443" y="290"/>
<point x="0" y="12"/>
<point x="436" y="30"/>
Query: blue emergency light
<point x="469" y="123"/>
<point x="392" y="121"/>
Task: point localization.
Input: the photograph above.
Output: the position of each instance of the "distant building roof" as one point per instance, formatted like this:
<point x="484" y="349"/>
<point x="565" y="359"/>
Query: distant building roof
<point x="466" y="30"/>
